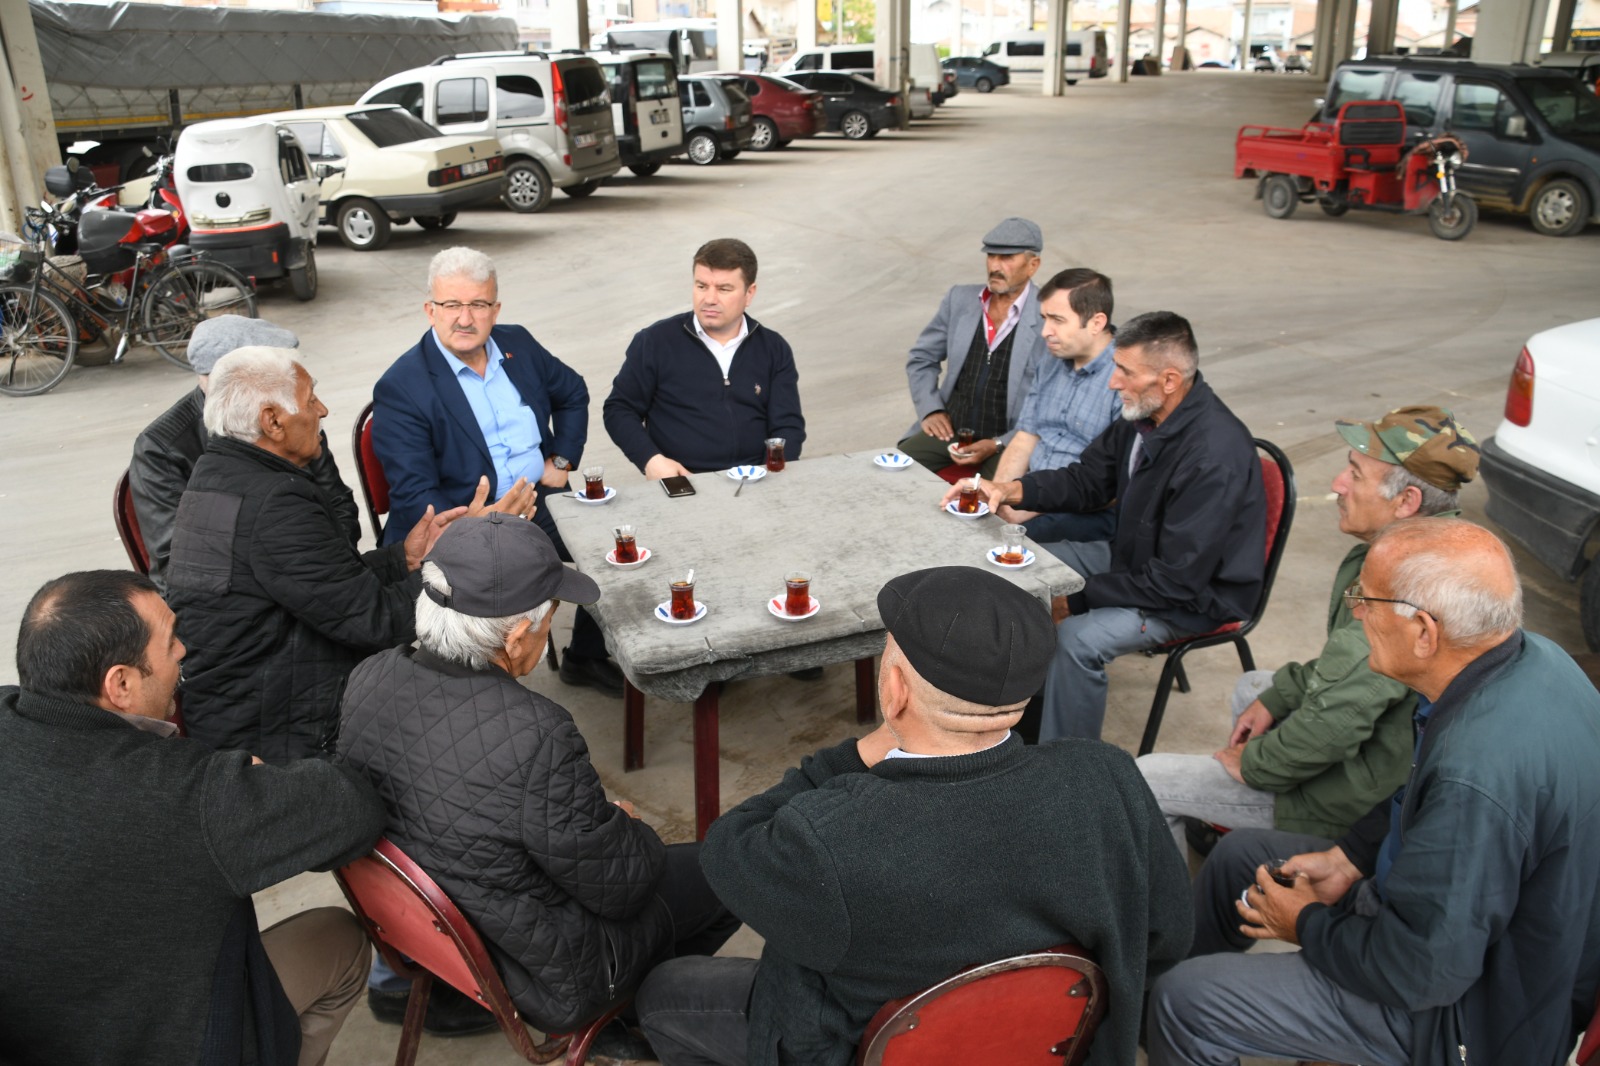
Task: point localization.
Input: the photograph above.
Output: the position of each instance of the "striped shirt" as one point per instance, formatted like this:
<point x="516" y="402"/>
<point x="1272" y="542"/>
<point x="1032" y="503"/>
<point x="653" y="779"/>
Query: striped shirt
<point x="1067" y="408"/>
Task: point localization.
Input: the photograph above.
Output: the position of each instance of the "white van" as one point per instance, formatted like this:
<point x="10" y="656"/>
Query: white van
<point x="858" y="59"/>
<point x="692" y="43"/>
<point x="644" y="107"/>
<point x="550" y="113"/>
<point x="927" y="80"/>
<point x="1088" y="54"/>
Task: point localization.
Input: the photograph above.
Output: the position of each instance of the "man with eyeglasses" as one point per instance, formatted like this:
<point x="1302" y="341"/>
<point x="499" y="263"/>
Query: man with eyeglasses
<point x="477" y="405"/>
<point x="1457" y="922"/>
<point x="1315" y="744"/>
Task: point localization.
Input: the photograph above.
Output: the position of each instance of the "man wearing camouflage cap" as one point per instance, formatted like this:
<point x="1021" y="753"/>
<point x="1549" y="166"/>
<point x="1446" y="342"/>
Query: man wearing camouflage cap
<point x="1316" y="744"/>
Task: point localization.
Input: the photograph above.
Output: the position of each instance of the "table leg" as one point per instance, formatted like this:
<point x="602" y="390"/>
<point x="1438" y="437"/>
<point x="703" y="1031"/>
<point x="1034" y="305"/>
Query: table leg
<point x="707" y="754"/>
<point x="866" y="691"/>
<point x="632" y="727"/>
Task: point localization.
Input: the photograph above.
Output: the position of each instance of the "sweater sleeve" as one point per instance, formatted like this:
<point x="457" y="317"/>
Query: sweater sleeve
<point x="628" y="406"/>
<point x="927" y="357"/>
<point x="1171" y="907"/>
<point x="783" y="408"/>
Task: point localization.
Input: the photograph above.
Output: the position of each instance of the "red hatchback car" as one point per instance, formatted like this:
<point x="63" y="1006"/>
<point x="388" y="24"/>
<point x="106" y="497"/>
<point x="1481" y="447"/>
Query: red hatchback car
<point x="782" y="110"/>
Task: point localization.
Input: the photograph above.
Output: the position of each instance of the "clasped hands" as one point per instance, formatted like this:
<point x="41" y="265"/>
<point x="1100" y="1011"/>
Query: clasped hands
<point x="1272" y="911"/>
<point x="521" y="501"/>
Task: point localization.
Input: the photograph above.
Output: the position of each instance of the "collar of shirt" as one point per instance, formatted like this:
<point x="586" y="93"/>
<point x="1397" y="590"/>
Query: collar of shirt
<point x="722" y="352"/>
<point x="901" y="753"/>
<point x="993" y="333"/>
<point x="160" y="727"/>
<point x="491" y="349"/>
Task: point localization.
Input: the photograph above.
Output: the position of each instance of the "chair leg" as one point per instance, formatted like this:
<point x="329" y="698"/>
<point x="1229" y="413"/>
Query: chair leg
<point x="1158" y="708"/>
<point x="1246" y="660"/>
<point x="1181" y="678"/>
<point x="416" y="1011"/>
<point x="578" y="1050"/>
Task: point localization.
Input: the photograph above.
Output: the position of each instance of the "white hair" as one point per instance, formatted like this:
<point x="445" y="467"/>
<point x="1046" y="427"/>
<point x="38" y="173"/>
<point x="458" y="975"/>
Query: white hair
<point x="461" y="262"/>
<point x="1469" y="610"/>
<point x="463" y="638"/>
<point x="242" y="383"/>
<point x="1434" y="499"/>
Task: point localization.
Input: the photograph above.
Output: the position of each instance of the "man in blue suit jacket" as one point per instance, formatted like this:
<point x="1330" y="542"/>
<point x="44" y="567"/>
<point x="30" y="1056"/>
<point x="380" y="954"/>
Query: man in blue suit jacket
<point x="472" y="400"/>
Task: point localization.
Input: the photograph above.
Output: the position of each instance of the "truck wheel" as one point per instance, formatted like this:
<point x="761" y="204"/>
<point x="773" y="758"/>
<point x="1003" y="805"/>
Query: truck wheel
<point x="1456" y="223"/>
<point x="984" y="85"/>
<point x="855" y="125"/>
<point x="582" y="189"/>
<point x="644" y="170"/>
<point x="764" y="138"/>
<point x="363" y="226"/>
<point x="702" y="149"/>
<point x="436" y="221"/>
<point x="1334" y="208"/>
<point x="527" y="187"/>
<point x="303" y="280"/>
<point x="1280" y="195"/>
<point x="1589" y="605"/>
<point x="1561" y="209"/>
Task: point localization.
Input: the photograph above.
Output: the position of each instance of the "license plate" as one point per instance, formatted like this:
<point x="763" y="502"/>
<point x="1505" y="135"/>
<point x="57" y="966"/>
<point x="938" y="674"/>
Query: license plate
<point x="585" y="140"/>
<point x="658" y="118"/>
<point x="474" y="168"/>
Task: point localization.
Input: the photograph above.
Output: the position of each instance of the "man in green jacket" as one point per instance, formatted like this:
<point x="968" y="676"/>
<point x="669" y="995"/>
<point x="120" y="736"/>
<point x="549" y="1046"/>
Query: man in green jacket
<point x="1316" y="744"/>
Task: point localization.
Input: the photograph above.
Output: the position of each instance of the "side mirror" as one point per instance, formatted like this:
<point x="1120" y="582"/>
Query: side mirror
<point x="324" y="171"/>
<point x="1517" y="127"/>
<point x="1319" y="103"/>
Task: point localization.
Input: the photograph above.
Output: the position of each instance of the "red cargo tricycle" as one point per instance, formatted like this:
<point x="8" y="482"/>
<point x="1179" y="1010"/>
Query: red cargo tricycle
<point x="1361" y="160"/>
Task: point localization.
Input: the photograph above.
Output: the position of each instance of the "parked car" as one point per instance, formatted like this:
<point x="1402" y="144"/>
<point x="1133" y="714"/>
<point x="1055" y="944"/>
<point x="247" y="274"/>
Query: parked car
<point x="849" y="58"/>
<point x="380" y="165"/>
<point x="853" y="105"/>
<point x="1532" y="133"/>
<point x="975" y="72"/>
<point x="1542" y="465"/>
<point x="716" y="117"/>
<point x="949" y="86"/>
<point x="926" y="89"/>
<point x="644" y="107"/>
<point x="781" y="110"/>
<point x="551" y="115"/>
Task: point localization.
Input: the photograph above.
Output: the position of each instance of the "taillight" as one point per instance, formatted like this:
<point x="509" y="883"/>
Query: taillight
<point x="727" y="122"/>
<point x="561" y="97"/>
<point x="1519" y="394"/>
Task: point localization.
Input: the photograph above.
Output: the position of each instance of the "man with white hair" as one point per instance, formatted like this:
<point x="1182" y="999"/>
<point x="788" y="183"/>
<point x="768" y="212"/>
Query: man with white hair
<point x="476" y="406"/>
<point x="1458" y="922"/>
<point x="1189" y="551"/>
<point x="274" y="602"/>
<point x="165" y="453"/>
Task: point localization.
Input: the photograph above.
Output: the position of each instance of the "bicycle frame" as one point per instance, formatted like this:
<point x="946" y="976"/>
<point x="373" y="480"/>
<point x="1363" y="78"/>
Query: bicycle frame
<point x="86" y="299"/>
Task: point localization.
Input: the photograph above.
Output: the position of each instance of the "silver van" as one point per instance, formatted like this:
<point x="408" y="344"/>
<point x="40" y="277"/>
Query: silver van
<point x="551" y="114"/>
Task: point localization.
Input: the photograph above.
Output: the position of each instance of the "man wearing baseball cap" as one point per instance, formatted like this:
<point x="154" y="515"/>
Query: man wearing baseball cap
<point x="1315" y="744"/>
<point x="488" y="786"/>
<point x="165" y="453"/>
<point x="987" y="336"/>
<point x="882" y="865"/>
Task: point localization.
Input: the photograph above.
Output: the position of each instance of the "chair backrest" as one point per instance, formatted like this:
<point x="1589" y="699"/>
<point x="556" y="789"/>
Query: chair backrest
<point x="127" y="522"/>
<point x="374" y="486"/>
<point x="1277" y="478"/>
<point x="1039" y="1009"/>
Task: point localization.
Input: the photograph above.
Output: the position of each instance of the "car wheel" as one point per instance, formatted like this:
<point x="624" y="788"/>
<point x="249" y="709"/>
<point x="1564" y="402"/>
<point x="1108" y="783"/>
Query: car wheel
<point x="1455" y="223"/>
<point x="1589" y="605"/>
<point x="984" y="85"/>
<point x="644" y="170"/>
<point x="1280" y="195"/>
<point x="527" y="187"/>
<point x="1334" y="208"/>
<point x="303" y="279"/>
<point x="765" y="136"/>
<point x="702" y="149"/>
<point x="363" y="226"/>
<point x="1561" y="209"/>
<point x="582" y="189"/>
<point x="436" y="221"/>
<point x="855" y="125"/>
<point x="1072" y="81"/>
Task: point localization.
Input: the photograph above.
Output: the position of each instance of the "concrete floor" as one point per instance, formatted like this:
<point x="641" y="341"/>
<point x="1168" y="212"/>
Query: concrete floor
<point x="1300" y="322"/>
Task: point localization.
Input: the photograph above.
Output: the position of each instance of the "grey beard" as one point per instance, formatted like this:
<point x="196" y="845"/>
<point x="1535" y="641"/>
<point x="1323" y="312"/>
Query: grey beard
<point x="1142" y="409"/>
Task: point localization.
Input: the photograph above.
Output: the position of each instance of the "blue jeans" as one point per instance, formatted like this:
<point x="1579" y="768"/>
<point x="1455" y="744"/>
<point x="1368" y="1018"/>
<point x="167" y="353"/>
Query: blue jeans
<point x="1101" y="525"/>
<point x="696" y="1010"/>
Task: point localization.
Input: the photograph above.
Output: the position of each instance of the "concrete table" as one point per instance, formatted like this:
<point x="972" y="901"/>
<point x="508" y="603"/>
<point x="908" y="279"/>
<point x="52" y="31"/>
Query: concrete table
<point x="848" y="523"/>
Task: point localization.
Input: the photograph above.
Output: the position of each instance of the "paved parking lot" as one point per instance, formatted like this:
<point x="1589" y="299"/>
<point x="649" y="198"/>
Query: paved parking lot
<point x="1300" y="322"/>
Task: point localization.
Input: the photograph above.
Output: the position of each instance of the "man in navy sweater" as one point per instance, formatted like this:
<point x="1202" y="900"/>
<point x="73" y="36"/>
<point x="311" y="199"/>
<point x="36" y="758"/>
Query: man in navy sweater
<point x="705" y="390"/>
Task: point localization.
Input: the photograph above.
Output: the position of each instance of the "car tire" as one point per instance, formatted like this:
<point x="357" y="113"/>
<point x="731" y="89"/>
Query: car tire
<point x="363" y="225"/>
<point x="1589" y="604"/>
<point x="582" y="189"/>
<point x="1561" y="208"/>
<point x="1072" y="81"/>
<point x="702" y="149"/>
<point x="527" y="187"/>
<point x="1334" y="208"/>
<point x="1280" y="195"/>
<point x="1456" y="223"/>
<point x="644" y="170"/>
<point x="436" y="221"/>
<point x="784" y="144"/>
<point x="984" y="85"/>
<point x="764" y="138"/>
<point x="855" y="125"/>
<point x="303" y="279"/>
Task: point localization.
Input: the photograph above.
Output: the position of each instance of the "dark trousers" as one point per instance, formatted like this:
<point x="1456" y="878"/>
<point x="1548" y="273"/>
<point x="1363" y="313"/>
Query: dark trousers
<point x="700" y="923"/>
<point x="935" y="454"/>
<point x="696" y="1011"/>
<point x="587" y="640"/>
<point x="1229" y="868"/>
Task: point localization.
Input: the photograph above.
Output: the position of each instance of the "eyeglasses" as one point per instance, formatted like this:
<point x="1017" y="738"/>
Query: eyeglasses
<point x="453" y="307"/>
<point x="1353" y="597"/>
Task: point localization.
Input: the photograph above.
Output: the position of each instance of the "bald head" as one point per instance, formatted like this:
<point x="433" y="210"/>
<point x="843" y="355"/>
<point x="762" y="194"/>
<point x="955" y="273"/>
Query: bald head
<point x="1458" y="572"/>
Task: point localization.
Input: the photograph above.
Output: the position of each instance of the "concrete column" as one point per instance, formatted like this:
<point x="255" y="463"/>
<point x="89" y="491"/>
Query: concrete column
<point x="805" y="24"/>
<point x="730" y="34"/>
<point x="891" y="47"/>
<point x="27" y="126"/>
<point x="1244" y="41"/>
<point x="988" y="24"/>
<point x="1054" y="81"/>
<point x="1509" y="31"/>
<point x="1183" y="26"/>
<point x="1381" y="21"/>
<point x="1161" y="31"/>
<point x="569" y="23"/>
<point x="1561" y="38"/>
<point x="1450" y="23"/>
<point x="1124" y="19"/>
<point x="1323" y="43"/>
<point x="958" y="44"/>
<point x="1345" y="38"/>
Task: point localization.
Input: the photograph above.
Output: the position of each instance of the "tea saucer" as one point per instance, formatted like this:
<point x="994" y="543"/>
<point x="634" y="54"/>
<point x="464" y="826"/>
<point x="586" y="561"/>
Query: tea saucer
<point x="664" y="613"/>
<point x="893" y="461"/>
<point x="983" y="509"/>
<point x="746" y="473"/>
<point x="644" y="557"/>
<point x="775" y="606"/>
<point x="610" y="495"/>
<point x="993" y="555"/>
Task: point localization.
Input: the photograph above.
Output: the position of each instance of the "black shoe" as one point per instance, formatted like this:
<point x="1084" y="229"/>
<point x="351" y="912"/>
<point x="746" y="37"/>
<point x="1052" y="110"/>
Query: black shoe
<point x="810" y="673"/>
<point x="617" y="1041"/>
<point x="449" y="1012"/>
<point x="594" y="673"/>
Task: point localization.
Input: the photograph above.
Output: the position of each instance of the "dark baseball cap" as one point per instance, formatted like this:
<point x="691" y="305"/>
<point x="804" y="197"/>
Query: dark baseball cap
<point x="970" y="633"/>
<point x="499" y="565"/>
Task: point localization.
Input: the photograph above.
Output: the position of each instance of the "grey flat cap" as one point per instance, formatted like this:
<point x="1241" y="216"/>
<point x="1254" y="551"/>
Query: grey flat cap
<point x="216" y="337"/>
<point x="1012" y="236"/>
<point x="498" y="566"/>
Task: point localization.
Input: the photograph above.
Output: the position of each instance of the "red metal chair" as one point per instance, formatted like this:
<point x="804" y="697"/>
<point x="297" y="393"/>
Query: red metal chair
<point x="127" y="521"/>
<point x="1589" y="1047"/>
<point x="369" y="471"/>
<point x="1039" y="1009"/>
<point x="1277" y="477"/>
<point x="421" y="934"/>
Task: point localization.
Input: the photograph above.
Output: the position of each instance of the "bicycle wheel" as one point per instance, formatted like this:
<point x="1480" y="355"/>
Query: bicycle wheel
<point x="38" y="340"/>
<point x="183" y="296"/>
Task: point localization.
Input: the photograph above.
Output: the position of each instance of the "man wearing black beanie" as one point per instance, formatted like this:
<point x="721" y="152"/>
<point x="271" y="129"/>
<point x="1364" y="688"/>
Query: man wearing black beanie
<point x="885" y="864"/>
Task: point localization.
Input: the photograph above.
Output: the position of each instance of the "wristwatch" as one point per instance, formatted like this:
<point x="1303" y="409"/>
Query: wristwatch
<point x="560" y="462"/>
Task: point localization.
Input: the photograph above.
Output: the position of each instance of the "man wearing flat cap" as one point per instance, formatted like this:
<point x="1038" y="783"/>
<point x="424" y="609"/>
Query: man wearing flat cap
<point x="165" y="453"/>
<point x="1316" y="744"/>
<point x="488" y="786"/>
<point x="883" y="865"/>
<point x="988" y="339"/>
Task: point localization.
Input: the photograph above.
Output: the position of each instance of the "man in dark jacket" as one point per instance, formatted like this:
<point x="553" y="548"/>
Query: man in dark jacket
<point x="488" y="786"/>
<point x="706" y="390"/>
<point x="1189" y="551"/>
<point x="879" y="867"/>
<point x="165" y="453"/>
<point x="131" y="855"/>
<point x="274" y="603"/>
<point x="1458" y="924"/>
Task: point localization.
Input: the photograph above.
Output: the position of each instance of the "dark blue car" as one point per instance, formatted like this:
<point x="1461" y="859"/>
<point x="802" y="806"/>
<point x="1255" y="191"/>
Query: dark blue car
<point x="975" y="72"/>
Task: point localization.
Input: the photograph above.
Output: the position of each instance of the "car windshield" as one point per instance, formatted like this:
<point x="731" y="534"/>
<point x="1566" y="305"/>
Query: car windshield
<point x="1566" y="104"/>
<point x="389" y="126"/>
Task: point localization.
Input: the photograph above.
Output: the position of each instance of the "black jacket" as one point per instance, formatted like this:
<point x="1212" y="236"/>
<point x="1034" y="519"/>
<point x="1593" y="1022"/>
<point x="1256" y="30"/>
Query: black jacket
<point x="488" y="786"/>
<point x="1191" y="527"/>
<point x="163" y="458"/>
<point x="670" y="397"/>
<point x="274" y="604"/>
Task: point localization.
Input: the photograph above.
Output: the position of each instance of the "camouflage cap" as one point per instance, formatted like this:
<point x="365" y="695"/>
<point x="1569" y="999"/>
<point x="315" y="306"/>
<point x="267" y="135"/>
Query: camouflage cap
<point x="1428" y="441"/>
